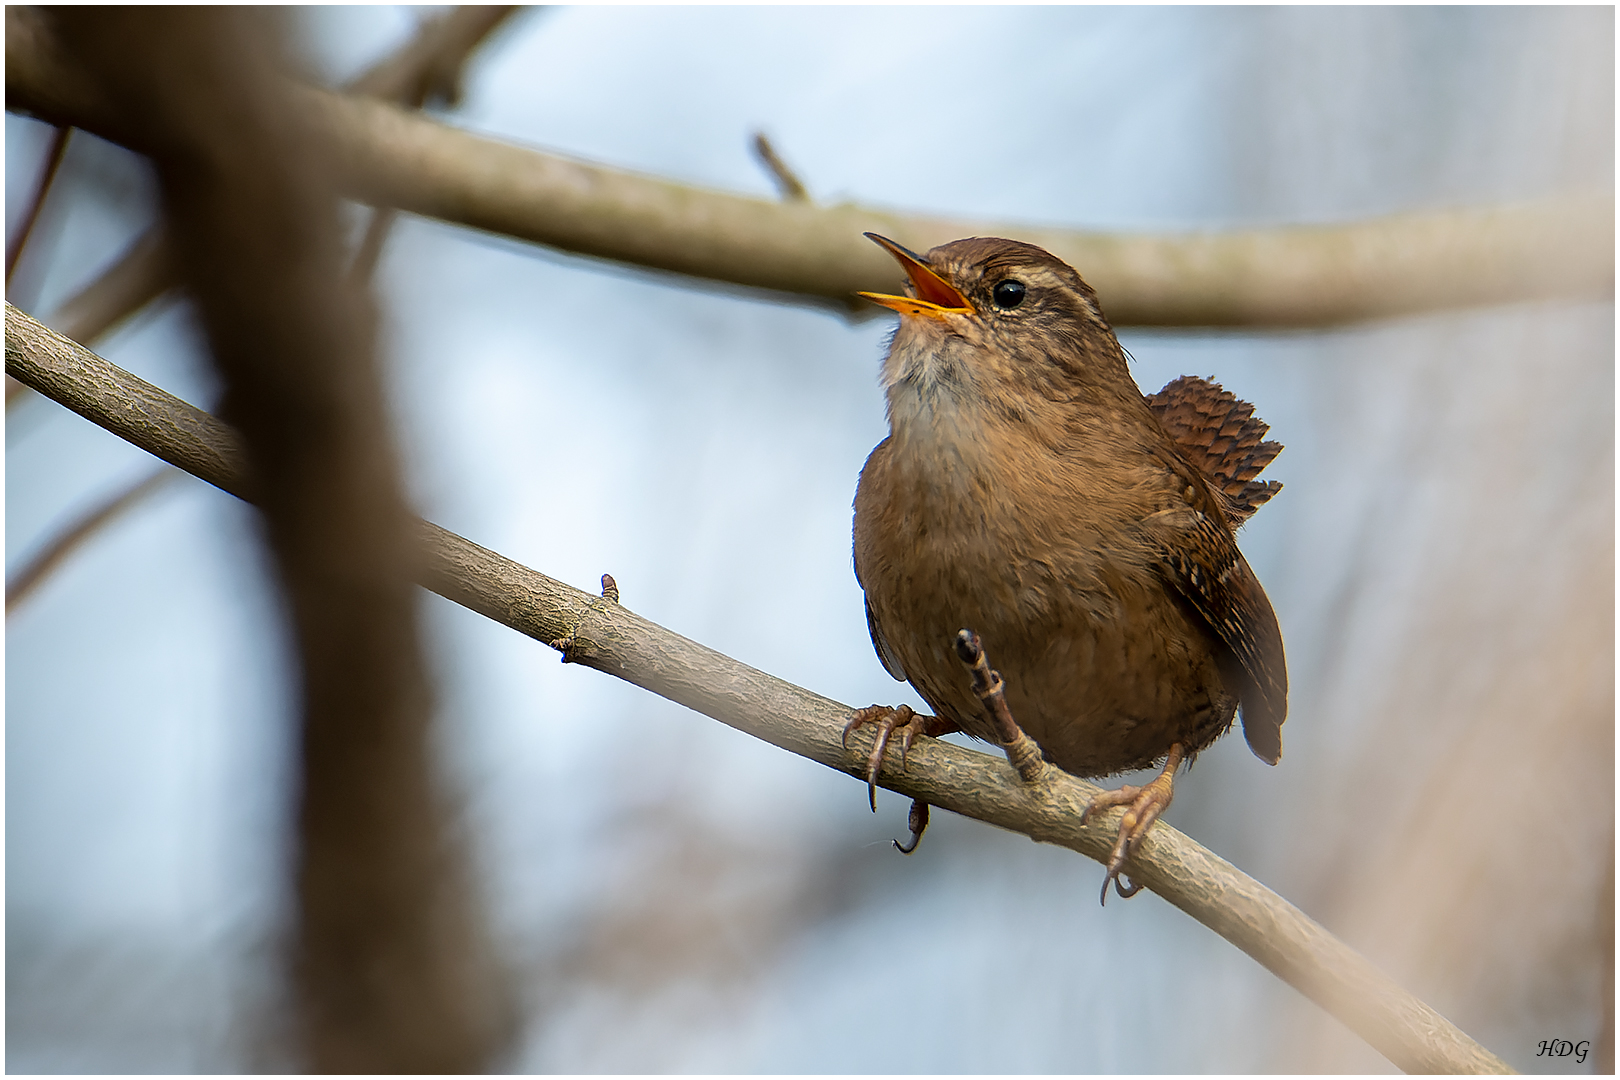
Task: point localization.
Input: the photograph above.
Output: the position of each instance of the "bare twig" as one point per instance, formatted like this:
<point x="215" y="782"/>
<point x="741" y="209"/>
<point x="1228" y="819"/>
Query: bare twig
<point x="392" y="970"/>
<point x="144" y="272"/>
<point x="21" y="584"/>
<point x="53" y="162"/>
<point x="789" y="184"/>
<point x="432" y="65"/>
<point x="1307" y="275"/>
<point x="606" y="636"/>
<point x="430" y="68"/>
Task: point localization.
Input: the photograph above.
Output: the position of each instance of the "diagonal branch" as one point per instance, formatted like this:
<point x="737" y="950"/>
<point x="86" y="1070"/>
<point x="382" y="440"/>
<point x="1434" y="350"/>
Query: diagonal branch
<point x="787" y="181"/>
<point x="53" y="162"/>
<point x="70" y="539"/>
<point x="1295" y="276"/>
<point x="606" y="636"/>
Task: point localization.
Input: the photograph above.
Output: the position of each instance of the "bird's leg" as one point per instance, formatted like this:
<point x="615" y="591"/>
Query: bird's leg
<point x="1143" y="805"/>
<point x="899" y="720"/>
<point x="1022" y="753"/>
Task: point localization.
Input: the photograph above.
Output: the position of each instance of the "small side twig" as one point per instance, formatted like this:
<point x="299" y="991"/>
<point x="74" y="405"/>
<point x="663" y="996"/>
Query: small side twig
<point x="53" y="162"/>
<point x="567" y="642"/>
<point x="793" y="190"/>
<point x="430" y="68"/>
<point x="75" y="536"/>
<point x="144" y="272"/>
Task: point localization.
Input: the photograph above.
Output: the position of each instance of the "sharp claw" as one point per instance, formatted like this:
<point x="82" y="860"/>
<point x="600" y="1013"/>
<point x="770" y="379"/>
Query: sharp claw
<point x="1143" y="805"/>
<point x="1116" y="864"/>
<point x="875" y="763"/>
<point x="907" y="734"/>
<point x="917" y="822"/>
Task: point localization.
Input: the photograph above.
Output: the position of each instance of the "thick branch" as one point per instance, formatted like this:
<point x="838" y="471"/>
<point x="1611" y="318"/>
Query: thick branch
<point x="1297" y="276"/>
<point x="1294" y="276"/>
<point x="608" y="637"/>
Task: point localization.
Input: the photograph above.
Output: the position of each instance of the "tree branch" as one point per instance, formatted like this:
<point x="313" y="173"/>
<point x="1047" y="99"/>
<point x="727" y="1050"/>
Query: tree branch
<point x="1295" y="276"/>
<point x="53" y="162"/>
<point x="787" y="181"/>
<point x="144" y="272"/>
<point x="70" y="539"/>
<point x="430" y="66"/>
<point x="610" y="638"/>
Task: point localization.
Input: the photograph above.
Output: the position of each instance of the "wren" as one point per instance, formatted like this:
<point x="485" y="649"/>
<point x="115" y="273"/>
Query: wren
<point x="1030" y="491"/>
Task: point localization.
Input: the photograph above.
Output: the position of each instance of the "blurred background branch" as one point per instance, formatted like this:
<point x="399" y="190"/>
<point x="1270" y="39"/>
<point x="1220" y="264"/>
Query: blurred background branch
<point x="53" y="161"/>
<point x="612" y="639"/>
<point x="1294" y="276"/>
<point x="59" y="547"/>
<point x="430" y="67"/>
<point x="787" y="181"/>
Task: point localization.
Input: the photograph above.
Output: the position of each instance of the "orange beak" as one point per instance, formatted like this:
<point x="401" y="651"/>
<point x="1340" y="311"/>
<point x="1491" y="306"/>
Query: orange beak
<point x="935" y="297"/>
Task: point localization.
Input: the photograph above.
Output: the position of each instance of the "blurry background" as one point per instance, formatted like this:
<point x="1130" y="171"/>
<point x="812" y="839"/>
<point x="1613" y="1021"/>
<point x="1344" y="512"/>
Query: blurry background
<point x="1441" y="561"/>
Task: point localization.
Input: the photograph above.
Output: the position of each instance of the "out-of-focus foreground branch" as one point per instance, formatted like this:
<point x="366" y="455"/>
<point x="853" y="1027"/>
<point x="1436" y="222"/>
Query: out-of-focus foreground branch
<point x="392" y="971"/>
<point x="1296" y="276"/>
<point x="606" y="636"/>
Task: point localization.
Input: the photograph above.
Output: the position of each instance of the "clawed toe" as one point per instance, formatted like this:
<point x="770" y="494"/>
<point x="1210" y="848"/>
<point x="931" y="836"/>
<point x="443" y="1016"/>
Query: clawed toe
<point x="917" y="822"/>
<point x="887" y="720"/>
<point x="1143" y="805"/>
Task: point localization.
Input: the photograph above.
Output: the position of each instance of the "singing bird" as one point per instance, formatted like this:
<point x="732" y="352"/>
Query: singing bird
<point x="1028" y="490"/>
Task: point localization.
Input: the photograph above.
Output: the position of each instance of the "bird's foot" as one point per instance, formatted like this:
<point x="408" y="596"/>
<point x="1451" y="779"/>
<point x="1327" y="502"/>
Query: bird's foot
<point x="890" y="721"/>
<point x="1143" y="805"/>
<point x="1022" y="753"/>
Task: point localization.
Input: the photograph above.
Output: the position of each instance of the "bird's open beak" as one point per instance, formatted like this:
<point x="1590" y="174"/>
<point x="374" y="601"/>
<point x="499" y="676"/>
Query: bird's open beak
<point x="935" y="297"/>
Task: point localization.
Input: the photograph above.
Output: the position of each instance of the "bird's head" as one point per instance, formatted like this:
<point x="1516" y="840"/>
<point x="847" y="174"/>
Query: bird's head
<point x="999" y="324"/>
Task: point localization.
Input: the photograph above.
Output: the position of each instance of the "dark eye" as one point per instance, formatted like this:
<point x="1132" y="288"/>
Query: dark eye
<point x="1008" y="294"/>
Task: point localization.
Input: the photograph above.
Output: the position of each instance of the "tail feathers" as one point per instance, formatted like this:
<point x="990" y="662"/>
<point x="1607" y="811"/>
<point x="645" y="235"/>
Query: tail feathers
<point x="1222" y="437"/>
<point x="1262" y="730"/>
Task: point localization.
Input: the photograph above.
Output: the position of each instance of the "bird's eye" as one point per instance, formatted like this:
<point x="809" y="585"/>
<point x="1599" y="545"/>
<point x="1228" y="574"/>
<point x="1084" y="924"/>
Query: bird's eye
<point x="1008" y="294"/>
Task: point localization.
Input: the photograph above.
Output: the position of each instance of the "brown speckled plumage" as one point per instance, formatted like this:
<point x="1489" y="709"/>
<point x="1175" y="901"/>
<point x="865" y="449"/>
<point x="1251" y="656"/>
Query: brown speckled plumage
<point x="1029" y="491"/>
